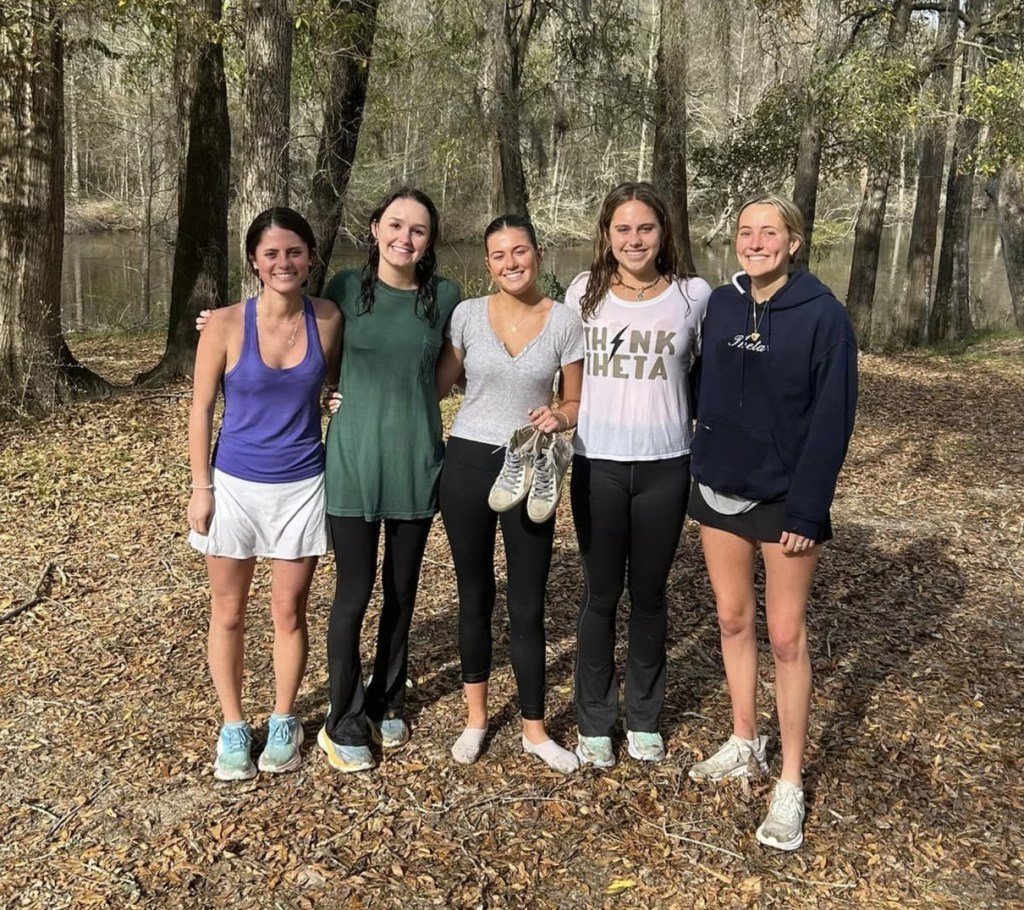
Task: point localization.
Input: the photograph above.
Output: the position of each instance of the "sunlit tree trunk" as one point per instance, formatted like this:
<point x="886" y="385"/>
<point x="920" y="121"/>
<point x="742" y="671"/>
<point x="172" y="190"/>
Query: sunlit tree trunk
<point x="348" y="75"/>
<point x="266" y="115"/>
<point x="669" y="172"/>
<point x="200" y="276"/>
<point x="1011" y="234"/>
<point x="37" y="370"/>
<point x="871" y="216"/>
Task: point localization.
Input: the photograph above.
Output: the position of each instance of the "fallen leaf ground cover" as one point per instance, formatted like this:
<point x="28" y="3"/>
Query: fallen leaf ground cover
<point x="915" y="774"/>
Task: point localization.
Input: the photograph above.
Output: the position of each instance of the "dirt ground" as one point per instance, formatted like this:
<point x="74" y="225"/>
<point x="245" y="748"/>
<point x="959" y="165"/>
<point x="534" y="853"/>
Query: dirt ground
<point x="915" y="774"/>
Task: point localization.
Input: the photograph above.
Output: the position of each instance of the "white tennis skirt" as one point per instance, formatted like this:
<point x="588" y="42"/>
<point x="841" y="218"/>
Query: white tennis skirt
<point x="276" y="520"/>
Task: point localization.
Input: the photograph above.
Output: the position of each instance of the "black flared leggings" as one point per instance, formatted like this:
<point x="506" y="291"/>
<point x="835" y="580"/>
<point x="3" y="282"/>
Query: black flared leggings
<point x="628" y="516"/>
<point x="355" y="549"/>
<point x="470" y="469"/>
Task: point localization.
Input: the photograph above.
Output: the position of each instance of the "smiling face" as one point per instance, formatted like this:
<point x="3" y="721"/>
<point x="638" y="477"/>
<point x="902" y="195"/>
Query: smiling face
<point x="403" y="235"/>
<point x="513" y="261"/>
<point x="281" y="260"/>
<point x="635" y="236"/>
<point x="764" y="244"/>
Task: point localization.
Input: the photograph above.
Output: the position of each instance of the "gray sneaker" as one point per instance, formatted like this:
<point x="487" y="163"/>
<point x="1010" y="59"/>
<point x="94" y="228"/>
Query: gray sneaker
<point x="783" y="826"/>
<point x="513" y="481"/>
<point x="284" y="736"/>
<point x="552" y="460"/>
<point x="736" y="758"/>
<point x="596" y="751"/>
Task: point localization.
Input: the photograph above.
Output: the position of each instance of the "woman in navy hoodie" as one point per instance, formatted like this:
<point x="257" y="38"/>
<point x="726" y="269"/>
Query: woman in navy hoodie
<point x="776" y="390"/>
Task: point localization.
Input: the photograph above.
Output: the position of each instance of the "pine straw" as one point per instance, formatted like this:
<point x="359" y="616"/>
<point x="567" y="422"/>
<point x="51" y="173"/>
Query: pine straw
<point x="915" y="783"/>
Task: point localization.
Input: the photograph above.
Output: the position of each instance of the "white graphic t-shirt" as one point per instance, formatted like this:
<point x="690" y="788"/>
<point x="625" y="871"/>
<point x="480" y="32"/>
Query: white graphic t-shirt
<point x="636" y="389"/>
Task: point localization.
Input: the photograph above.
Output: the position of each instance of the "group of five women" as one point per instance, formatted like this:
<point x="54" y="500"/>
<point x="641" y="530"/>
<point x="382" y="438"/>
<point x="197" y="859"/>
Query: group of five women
<point x="770" y="361"/>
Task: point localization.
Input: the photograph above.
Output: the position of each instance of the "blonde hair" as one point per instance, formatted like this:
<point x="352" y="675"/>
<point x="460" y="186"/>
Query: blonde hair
<point x="788" y="212"/>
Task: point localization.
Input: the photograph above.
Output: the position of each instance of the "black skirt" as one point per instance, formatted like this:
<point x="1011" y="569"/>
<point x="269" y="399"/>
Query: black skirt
<point x="763" y="523"/>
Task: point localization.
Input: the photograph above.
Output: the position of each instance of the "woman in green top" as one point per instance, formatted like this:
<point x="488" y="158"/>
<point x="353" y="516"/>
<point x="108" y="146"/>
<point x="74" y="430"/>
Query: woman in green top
<point x="384" y="451"/>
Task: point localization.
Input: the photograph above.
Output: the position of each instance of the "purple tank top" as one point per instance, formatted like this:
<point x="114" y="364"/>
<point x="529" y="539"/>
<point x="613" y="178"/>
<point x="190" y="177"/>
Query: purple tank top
<point x="271" y="427"/>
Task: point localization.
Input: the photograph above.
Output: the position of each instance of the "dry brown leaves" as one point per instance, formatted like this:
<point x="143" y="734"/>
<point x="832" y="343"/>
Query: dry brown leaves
<point x="915" y="781"/>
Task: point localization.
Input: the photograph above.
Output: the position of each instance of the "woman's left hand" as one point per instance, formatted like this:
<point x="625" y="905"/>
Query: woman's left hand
<point x="548" y="421"/>
<point x="332" y="401"/>
<point x="795" y="543"/>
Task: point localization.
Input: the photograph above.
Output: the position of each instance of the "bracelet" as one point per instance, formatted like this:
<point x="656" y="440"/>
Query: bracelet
<point x="194" y="487"/>
<point x="561" y="414"/>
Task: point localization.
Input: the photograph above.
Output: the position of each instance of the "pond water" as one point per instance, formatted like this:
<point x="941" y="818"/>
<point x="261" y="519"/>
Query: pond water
<point x="102" y="280"/>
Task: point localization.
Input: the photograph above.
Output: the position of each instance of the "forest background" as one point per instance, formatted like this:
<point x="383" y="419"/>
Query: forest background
<point x="175" y="121"/>
<point x="182" y="120"/>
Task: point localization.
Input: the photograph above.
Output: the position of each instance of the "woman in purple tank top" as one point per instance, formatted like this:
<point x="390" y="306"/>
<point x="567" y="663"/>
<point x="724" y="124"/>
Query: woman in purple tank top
<point x="261" y="492"/>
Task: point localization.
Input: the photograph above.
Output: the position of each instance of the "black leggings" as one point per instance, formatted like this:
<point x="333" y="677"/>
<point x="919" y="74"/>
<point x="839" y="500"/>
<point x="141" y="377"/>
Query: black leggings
<point x="355" y="549"/>
<point x="626" y="514"/>
<point x="470" y="469"/>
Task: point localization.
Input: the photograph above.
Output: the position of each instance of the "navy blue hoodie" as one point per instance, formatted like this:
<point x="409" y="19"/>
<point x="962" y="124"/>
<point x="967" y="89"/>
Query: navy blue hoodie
<point x="775" y="414"/>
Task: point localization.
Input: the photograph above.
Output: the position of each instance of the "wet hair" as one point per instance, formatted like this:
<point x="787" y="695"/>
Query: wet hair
<point x="279" y="217"/>
<point x="788" y="212"/>
<point x="512" y="222"/>
<point x="426" y="268"/>
<point x="605" y="264"/>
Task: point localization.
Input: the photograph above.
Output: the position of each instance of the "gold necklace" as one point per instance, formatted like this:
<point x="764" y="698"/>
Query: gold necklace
<point x="295" y="325"/>
<point x="639" y="290"/>
<point x="755" y="336"/>
<point x="514" y="328"/>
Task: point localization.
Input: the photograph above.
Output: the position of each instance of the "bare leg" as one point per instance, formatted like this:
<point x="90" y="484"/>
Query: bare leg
<point x="289" y="595"/>
<point x="476" y="705"/>
<point x="788" y="580"/>
<point x="730" y="563"/>
<point x="229" y="594"/>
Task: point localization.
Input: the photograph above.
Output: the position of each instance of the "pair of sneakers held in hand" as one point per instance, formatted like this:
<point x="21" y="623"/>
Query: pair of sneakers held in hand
<point x="535" y="464"/>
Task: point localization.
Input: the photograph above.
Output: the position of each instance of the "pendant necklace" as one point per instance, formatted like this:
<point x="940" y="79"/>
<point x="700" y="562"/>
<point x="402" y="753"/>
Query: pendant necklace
<point x="755" y="336"/>
<point x="295" y="326"/>
<point x="514" y="327"/>
<point x="639" y="290"/>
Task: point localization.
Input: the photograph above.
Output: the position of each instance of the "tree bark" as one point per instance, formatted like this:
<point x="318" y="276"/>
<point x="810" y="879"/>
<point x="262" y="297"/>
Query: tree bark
<point x="512" y="23"/>
<point x="200" y="275"/>
<point x="1011" y="234"/>
<point x="871" y="217"/>
<point x="806" y="179"/>
<point x="348" y="75"/>
<point x="266" y="115"/>
<point x="37" y="370"/>
<point x="669" y="171"/>
<point x="910" y="313"/>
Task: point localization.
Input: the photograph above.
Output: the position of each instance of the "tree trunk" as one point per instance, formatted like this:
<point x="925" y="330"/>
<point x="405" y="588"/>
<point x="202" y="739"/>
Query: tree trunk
<point x="266" y="115"/>
<point x="669" y="171"/>
<point x="512" y="24"/>
<point x="950" y="319"/>
<point x="871" y="217"/>
<point x="1011" y="234"/>
<point x="806" y="179"/>
<point x="348" y="75"/>
<point x="37" y="370"/>
<point x="910" y="315"/>
<point x="200" y="275"/>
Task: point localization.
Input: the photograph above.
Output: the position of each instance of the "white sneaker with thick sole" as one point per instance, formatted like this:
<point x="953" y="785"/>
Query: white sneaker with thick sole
<point x="783" y="826"/>
<point x="736" y="758"/>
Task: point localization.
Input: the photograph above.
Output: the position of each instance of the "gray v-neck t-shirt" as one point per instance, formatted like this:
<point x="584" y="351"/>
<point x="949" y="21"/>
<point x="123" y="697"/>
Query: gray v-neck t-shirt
<point x="501" y="389"/>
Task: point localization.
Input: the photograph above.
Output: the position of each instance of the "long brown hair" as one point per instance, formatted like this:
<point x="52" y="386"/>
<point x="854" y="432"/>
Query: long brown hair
<point x="605" y="265"/>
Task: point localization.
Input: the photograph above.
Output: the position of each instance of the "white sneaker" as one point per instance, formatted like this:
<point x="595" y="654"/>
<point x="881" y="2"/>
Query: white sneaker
<point x="735" y="759"/>
<point x="513" y="481"/>
<point x="552" y="460"/>
<point x="783" y="826"/>
<point x="645" y="746"/>
<point x="596" y="751"/>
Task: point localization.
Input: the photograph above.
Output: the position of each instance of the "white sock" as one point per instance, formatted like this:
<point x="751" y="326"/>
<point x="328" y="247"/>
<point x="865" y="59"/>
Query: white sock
<point x="466" y="749"/>
<point x="553" y="755"/>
